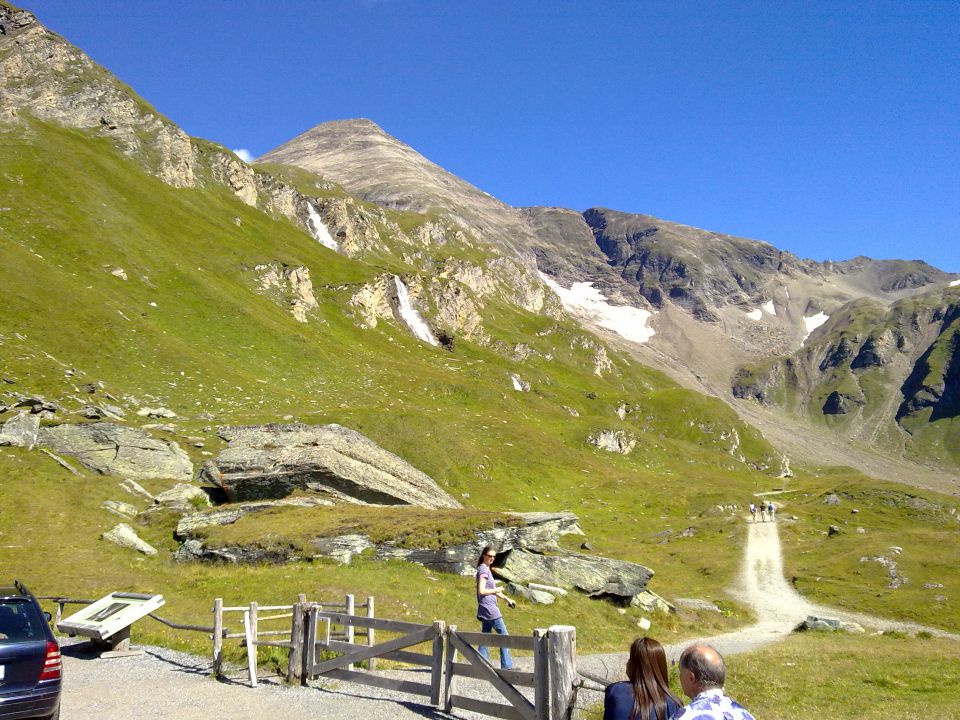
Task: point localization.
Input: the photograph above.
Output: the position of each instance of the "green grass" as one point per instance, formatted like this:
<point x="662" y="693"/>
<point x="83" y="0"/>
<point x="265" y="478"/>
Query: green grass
<point x="829" y="570"/>
<point x="848" y="676"/>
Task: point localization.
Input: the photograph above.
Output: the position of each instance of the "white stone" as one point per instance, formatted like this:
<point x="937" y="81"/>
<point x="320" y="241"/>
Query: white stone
<point x="124" y="536"/>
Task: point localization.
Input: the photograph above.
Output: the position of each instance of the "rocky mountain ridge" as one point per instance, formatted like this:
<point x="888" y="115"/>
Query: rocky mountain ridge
<point x="714" y="302"/>
<point x="718" y="303"/>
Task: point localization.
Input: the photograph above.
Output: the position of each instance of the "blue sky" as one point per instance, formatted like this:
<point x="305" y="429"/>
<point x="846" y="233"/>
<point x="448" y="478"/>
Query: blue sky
<point x="830" y="129"/>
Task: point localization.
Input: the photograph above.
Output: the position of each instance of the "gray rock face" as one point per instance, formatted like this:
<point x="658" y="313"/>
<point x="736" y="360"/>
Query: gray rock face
<point x="20" y="431"/>
<point x="595" y="576"/>
<point x="116" y="450"/>
<point x="271" y="461"/>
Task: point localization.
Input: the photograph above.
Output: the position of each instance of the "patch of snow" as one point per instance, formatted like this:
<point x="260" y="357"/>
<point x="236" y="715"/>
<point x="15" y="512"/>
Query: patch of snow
<point x="585" y="300"/>
<point x="516" y="383"/>
<point x="812" y="323"/>
<point x="410" y="316"/>
<point x="786" y="292"/>
<point x="768" y="307"/>
<point x="954" y="283"/>
<point x="319" y="231"/>
<point x="755" y="314"/>
<point x="244" y="154"/>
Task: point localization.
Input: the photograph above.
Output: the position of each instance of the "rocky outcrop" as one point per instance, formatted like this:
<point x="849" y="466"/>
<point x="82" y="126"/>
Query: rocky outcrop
<point x="44" y="76"/>
<point x="289" y="285"/>
<point x="616" y="441"/>
<point x="271" y="461"/>
<point x="596" y="576"/>
<point x="536" y="532"/>
<point x="117" y="450"/>
<point x="353" y="226"/>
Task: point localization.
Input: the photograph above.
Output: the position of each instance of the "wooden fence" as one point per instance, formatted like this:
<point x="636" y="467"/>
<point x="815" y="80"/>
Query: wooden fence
<point x="253" y="629"/>
<point x="552" y="679"/>
<point x="317" y="629"/>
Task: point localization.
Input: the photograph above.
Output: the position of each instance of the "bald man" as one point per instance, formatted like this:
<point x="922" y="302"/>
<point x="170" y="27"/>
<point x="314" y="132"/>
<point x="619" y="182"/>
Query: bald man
<point x="702" y="674"/>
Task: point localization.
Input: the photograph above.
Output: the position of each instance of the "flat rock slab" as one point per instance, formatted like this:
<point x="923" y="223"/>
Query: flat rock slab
<point x="112" y="449"/>
<point x="590" y="574"/>
<point x="272" y="461"/>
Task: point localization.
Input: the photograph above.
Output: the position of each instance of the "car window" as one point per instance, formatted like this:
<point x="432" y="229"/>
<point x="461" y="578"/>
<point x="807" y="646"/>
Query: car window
<point x="19" y="622"/>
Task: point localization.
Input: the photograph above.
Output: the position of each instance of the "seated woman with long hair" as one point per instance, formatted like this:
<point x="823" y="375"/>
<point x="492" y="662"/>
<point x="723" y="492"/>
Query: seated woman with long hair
<point x="646" y="695"/>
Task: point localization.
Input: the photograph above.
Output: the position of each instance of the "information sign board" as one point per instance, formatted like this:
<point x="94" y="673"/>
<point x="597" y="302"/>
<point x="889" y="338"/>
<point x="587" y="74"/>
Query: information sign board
<point x="110" y="614"/>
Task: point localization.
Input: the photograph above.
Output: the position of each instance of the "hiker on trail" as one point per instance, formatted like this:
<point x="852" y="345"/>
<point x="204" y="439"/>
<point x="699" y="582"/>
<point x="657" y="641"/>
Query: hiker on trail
<point x="770" y="510"/>
<point x="646" y="695"/>
<point x="753" y="512"/>
<point x="702" y="674"/>
<point x="488" y="612"/>
<point x="763" y="510"/>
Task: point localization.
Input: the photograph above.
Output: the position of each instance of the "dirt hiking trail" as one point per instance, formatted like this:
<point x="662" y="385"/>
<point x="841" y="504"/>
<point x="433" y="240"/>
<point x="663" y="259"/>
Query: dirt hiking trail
<point x="778" y="607"/>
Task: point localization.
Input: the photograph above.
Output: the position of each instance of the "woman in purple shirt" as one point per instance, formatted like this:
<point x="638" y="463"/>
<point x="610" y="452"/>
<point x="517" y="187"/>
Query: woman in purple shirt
<point x="488" y="612"/>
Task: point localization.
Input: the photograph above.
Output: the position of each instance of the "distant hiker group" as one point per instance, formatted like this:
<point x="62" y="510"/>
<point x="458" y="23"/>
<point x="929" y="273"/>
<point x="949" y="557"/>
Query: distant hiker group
<point x="766" y="508"/>
<point x="646" y="694"/>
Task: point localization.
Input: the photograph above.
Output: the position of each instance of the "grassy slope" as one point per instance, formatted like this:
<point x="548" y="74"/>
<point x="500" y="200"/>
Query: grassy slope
<point x="77" y="210"/>
<point x="212" y="344"/>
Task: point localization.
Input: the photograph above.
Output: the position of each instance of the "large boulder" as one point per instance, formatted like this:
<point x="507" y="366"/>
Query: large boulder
<point x="272" y="461"/>
<point x="596" y="576"/>
<point x="117" y="450"/>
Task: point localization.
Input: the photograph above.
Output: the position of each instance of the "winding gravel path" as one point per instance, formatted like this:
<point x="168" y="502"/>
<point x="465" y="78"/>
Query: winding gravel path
<point x="778" y="607"/>
<point x="165" y="684"/>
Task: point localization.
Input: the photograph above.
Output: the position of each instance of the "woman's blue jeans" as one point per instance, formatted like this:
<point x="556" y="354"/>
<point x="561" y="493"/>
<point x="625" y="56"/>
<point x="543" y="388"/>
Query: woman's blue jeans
<point x="500" y="627"/>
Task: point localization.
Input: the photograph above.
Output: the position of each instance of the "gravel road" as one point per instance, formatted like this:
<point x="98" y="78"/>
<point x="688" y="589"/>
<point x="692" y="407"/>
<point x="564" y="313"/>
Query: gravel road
<point x="163" y="684"/>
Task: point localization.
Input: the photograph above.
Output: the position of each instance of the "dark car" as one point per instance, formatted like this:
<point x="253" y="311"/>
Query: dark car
<point x="30" y="669"/>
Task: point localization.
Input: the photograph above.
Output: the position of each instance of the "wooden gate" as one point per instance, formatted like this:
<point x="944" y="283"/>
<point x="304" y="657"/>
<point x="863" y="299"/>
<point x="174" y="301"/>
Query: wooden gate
<point x="505" y="682"/>
<point x="341" y="668"/>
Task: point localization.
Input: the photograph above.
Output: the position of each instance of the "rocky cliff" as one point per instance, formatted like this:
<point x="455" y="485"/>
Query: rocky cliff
<point x="878" y="374"/>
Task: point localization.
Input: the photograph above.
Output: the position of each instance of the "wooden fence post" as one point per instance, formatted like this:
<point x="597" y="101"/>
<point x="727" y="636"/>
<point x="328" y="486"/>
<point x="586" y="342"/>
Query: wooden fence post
<point x="563" y="670"/>
<point x="217" y="637"/>
<point x="451" y="658"/>
<point x="250" y="635"/>
<point x="436" y="668"/>
<point x="348" y="629"/>
<point x="296" y="656"/>
<point x="541" y="674"/>
<point x="371" y="635"/>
